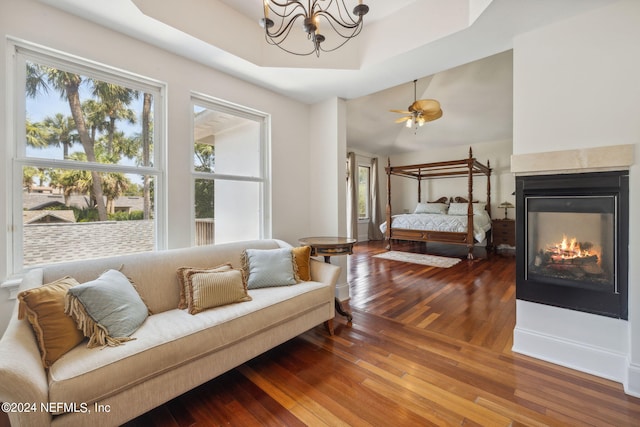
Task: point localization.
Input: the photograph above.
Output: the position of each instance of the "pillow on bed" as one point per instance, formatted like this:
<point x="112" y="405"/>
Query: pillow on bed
<point x="431" y="208"/>
<point x="461" y="208"/>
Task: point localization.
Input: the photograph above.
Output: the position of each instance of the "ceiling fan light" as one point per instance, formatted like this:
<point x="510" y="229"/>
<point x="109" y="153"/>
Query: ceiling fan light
<point x="409" y="123"/>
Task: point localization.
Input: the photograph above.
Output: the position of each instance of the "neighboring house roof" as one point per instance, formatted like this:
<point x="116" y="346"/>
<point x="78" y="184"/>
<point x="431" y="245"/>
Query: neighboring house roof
<point x="35" y="217"/>
<point x="36" y="201"/>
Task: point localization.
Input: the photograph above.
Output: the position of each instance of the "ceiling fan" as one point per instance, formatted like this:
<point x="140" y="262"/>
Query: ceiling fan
<point x="420" y="112"/>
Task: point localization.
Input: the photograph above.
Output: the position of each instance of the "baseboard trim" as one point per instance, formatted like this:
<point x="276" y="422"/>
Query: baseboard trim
<point x="632" y="386"/>
<point x="342" y="291"/>
<point x="571" y="354"/>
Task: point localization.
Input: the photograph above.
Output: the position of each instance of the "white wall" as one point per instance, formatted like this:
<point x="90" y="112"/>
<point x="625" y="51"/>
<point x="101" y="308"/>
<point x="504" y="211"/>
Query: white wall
<point x="576" y="86"/>
<point x="290" y="149"/>
<point x="404" y="192"/>
<point x="327" y="170"/>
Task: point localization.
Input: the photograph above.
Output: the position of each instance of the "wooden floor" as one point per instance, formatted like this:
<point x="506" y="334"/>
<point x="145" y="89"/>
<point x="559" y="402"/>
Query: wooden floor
<point x="428" y="346"/>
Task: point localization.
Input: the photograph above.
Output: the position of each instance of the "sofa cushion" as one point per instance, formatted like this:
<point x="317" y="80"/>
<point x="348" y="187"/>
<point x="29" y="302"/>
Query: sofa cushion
<point x="182" y="281"/>
<point x="269" y="267"/>
<point x="107" y="310"/>
<point x="208" y="289"/>
<point x="55" y="332"/>
<point x="174" y="338"/>
<point x="302" y="258"/>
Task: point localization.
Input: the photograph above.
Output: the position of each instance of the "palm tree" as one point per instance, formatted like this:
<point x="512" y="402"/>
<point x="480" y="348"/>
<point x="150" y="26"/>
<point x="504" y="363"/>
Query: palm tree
<point x="67" y="84"/>
<point x="115" y="100"/>
<point x="114" y="185"/>
<point x="28" y="173"/>
<point x="36" y="134"/>
<point x="75" y="181"/>
<point x="61" y="131"/>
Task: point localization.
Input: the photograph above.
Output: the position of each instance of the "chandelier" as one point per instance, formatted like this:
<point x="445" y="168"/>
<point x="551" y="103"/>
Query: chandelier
<point x="328" y="14"/>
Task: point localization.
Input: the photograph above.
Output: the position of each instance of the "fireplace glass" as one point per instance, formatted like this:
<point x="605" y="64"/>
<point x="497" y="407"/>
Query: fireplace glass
<point x="572" y="238"/>
<point x="571" y="241"/>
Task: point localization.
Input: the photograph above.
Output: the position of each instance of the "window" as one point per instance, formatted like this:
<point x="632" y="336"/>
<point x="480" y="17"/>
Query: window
<point x="230" y="172"/>
<point x="87" y="161"/>
<point x="363" y="191"/>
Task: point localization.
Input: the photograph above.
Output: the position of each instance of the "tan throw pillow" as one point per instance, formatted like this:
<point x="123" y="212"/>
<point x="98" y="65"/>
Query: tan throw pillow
<point x="210" y="289"/>
<point x="182" y="280"/>
<point x="43" y="307"/>
<point x="302" y="258"/>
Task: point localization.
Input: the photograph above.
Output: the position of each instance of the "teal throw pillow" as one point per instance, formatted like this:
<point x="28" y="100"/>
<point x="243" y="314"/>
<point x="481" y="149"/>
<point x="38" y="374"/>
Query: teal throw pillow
<point x="107" y="310"/>
<point x="268" y="267"/>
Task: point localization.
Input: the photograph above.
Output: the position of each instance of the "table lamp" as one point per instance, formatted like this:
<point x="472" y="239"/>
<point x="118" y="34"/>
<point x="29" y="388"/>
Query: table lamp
<point x="506" y="205"/>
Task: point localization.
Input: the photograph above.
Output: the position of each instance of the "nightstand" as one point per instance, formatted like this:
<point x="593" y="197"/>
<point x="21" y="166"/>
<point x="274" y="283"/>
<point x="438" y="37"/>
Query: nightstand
<point x="503" y="232"/>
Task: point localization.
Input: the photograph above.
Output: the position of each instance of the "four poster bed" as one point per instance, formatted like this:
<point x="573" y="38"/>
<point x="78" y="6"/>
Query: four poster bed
<point x="444" y="220"/>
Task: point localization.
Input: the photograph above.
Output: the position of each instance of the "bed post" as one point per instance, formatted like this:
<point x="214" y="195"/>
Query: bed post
<point x="489" y="188"/>
<point x="470" y="242"/>
<point x="489" y="237"/>
<point x="387" y="233"/>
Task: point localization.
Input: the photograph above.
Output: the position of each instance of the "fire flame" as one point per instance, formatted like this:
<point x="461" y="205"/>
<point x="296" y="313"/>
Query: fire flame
<point x="570" y="248"/>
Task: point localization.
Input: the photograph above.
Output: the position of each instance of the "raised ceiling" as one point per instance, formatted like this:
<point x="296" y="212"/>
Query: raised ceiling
<point x="442" y="43"/>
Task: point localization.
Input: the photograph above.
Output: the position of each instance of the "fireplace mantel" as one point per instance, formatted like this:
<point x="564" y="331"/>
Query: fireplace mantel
<point x="597" y="159"/>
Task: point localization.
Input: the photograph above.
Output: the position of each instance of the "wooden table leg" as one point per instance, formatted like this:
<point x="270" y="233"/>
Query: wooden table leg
<point x="343" y="312"/>
<point x="339" y="308"/>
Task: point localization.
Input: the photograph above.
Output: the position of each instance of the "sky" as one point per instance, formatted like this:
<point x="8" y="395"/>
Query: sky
<point x="48" y="104"/>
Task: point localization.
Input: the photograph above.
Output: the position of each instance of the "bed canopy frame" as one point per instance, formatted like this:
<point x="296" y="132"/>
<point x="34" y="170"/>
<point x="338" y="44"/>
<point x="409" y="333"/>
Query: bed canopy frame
<point x="468" y="167"/>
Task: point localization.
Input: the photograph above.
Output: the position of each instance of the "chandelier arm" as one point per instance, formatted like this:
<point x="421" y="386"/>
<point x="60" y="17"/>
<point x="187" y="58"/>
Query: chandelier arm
<point x="342" y="33"/>
<point x="279" y="44"/>
<point x="344" y="15"/>
<point x="333" y="20"/>
<point x="283" y="29"/>
<point x="336" y="47"/>
<point x="284" y="6"/>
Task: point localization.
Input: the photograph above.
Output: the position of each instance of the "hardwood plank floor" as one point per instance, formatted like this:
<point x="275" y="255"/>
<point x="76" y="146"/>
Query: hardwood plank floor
<point x="428" y="346"/>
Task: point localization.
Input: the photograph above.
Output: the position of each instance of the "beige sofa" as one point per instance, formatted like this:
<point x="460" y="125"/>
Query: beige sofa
<point x="173" y="352"/>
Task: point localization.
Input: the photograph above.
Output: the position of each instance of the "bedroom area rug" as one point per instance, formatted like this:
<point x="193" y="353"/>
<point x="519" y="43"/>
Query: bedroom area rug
<point x="423" y="259"/>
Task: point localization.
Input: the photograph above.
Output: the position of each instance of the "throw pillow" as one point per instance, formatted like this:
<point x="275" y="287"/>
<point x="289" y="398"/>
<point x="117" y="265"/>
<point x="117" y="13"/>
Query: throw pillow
<point x="268" y="267"/>
<point x="182" y="280"/>
<point x="302" y="259"/>
<point x="458" y="208"/>
<point x="107" y="310"/>
<point x="431" y="208"/>
<point x="208" y="289"/>
<point x="43" y="307"/>
<point x="461" y="208"/>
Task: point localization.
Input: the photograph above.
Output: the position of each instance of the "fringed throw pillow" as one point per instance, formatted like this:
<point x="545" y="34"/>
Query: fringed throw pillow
<point x="43" y="307"/>
<point x="182" y="273"/>
<point x="107" y="310"/>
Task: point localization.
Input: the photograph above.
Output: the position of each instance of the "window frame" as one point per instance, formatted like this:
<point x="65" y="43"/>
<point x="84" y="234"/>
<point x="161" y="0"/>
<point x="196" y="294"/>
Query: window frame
<point x="21" y="52"/>
<point x="264" y="120"/>
<point x="367" y="216"/>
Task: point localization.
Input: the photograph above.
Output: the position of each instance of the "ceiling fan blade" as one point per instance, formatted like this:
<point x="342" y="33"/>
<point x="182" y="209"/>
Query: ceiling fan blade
<point x="400" y="111"/>
<point x="403" y="119"/>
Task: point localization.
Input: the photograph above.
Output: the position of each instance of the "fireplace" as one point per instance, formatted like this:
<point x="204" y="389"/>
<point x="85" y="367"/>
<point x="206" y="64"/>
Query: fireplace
<point x="572" y="241"/>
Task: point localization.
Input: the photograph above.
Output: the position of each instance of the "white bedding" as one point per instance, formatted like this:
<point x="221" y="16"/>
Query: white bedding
<point x="441" y="222"/>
